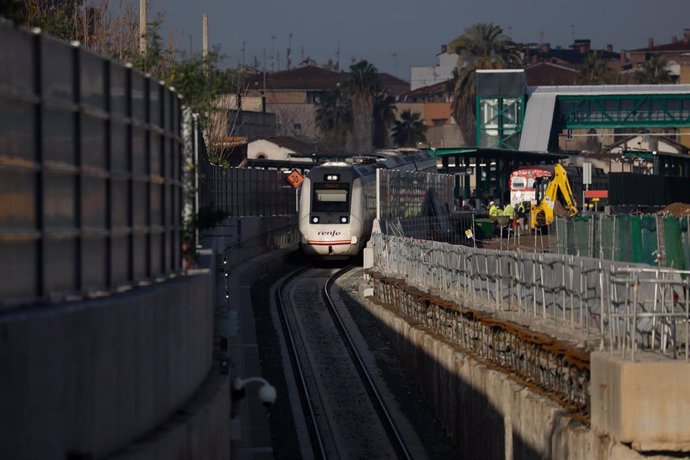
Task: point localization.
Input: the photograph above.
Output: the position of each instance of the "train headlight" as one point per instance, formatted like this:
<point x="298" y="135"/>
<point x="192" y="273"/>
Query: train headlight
<point x="315" y="219"/>
<point x="343" y="219"/>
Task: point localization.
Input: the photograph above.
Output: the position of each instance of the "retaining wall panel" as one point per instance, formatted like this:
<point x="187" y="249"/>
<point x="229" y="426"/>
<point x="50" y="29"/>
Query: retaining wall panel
<point x="487" y="414"/>
<point x="89" y="377"/>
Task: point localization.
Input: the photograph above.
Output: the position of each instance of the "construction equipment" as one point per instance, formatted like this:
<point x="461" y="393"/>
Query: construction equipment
<point x="553" y="198"/>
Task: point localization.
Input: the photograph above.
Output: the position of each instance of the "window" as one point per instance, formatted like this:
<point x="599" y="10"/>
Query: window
<point x="518" y="183"/>
<point x="331" y="197"/>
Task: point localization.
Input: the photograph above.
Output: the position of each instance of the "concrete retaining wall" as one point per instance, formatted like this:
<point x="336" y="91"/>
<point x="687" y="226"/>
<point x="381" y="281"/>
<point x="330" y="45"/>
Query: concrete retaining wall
<point x="486" y="413"/>
<point x="89" y="378"/>
<point x="199" y="431"/>
<point x="644" y="403"/>
<point x="241" y="237"/>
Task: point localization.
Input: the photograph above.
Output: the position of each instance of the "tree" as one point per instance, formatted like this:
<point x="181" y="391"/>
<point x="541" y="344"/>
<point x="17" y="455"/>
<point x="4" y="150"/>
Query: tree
<point x="384" y="118"/>
<point x="334" y="117"/>
<point x="481" y="46"/>
<point x="409" y="130"/>
<point x="363" y="85"/>
<point x="595" y="71"/>
<point x="654" y="72"/>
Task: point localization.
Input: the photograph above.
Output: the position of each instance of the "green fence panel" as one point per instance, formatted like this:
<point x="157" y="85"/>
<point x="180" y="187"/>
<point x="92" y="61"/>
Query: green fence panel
<point x="635" y="239"/>
<point x="623" y="242"/>
<point x="648" y="237"/>
<point x="672" y="242"/>
<point x="581" y="232"/>
<point x="607" y="237"/>
<point x="685" y="239"/>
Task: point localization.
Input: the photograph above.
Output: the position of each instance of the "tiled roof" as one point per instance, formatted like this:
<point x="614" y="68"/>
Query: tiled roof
<point x="573" y="56"/>
<point x="679" y="46"/>
<point x="313" y="78"/>
<point x="549" y="74"/>
<point x="431" y="90"/>
<point x="292" y="144"/>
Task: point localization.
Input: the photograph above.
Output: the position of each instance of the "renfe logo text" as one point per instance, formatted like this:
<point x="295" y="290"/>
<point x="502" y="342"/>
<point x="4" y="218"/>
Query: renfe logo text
<point x="330" y="233"/>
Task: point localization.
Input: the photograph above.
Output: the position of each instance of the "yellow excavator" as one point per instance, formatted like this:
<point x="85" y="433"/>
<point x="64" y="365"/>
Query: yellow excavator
<point x="553" y="198"/>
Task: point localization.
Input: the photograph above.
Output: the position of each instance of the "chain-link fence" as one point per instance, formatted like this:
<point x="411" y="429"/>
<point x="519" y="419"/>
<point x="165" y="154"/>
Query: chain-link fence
<point x="90" y="172"/>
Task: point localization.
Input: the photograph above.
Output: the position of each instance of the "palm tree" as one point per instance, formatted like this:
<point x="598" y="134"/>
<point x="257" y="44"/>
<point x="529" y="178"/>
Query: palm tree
<point x="653" y="72"/>
<point x="409" y="130"/>
<point x="481" y="46"/>
<point x="595" y="71"/>
<point x="384" y="117"/>
<point x="334" y="117"/>
<point x="363" y="85"/>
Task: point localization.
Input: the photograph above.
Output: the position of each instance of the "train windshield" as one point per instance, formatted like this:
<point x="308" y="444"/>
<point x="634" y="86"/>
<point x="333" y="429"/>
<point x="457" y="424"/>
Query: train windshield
<point x="331" y="197"/>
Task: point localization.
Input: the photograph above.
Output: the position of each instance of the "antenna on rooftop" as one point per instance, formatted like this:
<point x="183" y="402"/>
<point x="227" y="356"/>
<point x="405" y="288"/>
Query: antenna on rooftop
<point x="289" y="50"/>
<point x="337" y="57"/>
<point x="395" y="59"/>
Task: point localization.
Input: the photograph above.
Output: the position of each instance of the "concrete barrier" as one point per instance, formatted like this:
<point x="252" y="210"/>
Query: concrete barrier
<point x="88" y="378"/>
<point x="644" y="403"/>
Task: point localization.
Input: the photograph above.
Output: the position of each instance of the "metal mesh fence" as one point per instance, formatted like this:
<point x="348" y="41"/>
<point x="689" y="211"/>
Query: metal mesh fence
<point x="404" y="194"/>
<point x="240" y="192"/>
<point x="624" y="308"/>
<point x="251" y="192"/>
<point x="90" y="172"/>
<point x="448" y="229"/>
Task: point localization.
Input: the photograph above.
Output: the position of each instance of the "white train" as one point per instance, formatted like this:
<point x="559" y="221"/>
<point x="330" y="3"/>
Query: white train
<point x="337" y="203"/>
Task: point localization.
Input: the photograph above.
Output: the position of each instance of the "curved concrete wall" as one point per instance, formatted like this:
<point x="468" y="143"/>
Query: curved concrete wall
<point x="89" y="378"/>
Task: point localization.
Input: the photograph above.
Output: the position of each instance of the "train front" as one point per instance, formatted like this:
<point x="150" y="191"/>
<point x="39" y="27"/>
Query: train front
<point x="326" y="212"/>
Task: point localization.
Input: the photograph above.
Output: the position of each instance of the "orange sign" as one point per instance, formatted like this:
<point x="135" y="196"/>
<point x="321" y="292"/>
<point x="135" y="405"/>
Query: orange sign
<point x="295" y="178"/>
<point x="596" y="194"/>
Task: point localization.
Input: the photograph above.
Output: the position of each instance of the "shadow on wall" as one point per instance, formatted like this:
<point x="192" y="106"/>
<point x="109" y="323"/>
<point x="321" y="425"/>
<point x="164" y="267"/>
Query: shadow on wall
<point x="475" y="424"/>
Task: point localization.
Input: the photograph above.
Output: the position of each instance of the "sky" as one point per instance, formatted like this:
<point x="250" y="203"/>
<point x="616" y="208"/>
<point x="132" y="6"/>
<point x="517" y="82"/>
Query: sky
<point x="395" y="35"/>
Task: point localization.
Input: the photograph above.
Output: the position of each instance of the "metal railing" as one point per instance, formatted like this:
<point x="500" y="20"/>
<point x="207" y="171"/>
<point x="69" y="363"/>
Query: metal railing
<point x="90" y="172"/>
<point x="610" y="305"/>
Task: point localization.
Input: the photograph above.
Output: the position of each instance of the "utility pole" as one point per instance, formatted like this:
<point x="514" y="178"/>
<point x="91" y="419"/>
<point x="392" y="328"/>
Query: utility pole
<point x="204" y="42"/>
<point x="395" y="60"/>
<point x="337" y="58"/>
<point x="289" y="50"/>
<point x="204" y="25"/>
<point x="142" y="27"/>
<point x="273" y="53"/>
<point x="244" y="44"/>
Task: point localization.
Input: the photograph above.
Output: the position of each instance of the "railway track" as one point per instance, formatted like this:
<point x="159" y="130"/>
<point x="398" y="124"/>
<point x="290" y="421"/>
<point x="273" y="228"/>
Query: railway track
<point x="343" y="410"/>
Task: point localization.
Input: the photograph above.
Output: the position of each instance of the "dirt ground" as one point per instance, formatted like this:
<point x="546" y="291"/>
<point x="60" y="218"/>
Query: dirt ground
<point x="522" y="242"/>
<point x="676" y="209"/>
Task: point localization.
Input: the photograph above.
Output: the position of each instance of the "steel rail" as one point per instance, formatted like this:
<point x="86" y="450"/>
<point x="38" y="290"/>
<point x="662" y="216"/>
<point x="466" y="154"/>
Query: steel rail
<point x="318" y="446"/>
<point x="386" y="419"/>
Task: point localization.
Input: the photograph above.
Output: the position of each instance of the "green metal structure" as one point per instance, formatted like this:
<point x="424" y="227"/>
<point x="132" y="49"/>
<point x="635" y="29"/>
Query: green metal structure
<point x="500" y="108"/>
<point x="623" y="111"/>
<point x="486" y="169"/>
<point x="499" y="122"/>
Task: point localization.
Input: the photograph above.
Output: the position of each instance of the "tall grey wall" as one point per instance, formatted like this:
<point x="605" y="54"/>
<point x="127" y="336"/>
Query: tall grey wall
<point x="91" y="377"/>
